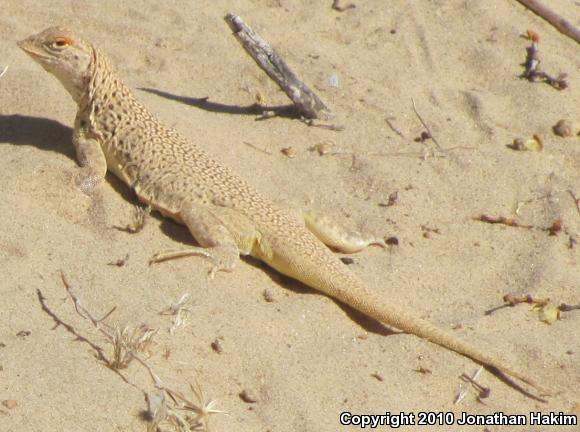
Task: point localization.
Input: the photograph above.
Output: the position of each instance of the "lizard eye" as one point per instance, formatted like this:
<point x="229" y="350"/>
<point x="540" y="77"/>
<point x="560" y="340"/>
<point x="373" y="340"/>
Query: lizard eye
<point x="60" y="43"/>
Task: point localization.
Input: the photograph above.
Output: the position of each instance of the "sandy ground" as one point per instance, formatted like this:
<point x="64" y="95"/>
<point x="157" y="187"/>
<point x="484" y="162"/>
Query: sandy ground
<point x="302" y="357"/>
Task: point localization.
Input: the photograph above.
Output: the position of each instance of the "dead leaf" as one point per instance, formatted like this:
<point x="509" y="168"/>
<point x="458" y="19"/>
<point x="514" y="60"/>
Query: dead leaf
<point x="548" y="313"/>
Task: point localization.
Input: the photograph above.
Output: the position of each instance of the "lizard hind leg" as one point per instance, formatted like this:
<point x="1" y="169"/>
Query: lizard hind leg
<point x="336" y="236"/>
<point x="216" y="242"/>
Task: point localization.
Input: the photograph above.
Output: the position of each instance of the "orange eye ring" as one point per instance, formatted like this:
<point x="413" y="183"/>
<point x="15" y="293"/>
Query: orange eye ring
<point x="61" y="42"/>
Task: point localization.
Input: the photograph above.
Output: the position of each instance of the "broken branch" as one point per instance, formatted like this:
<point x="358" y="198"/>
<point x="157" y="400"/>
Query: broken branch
<point x="563" y="25"/>
<point x="308" y="104"/>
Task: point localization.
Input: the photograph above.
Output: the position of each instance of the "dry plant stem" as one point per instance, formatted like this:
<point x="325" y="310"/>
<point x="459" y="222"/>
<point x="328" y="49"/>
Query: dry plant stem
<point x="567" y="308"/>
<point x="393" y="128"/>
<point x="563" y="25"/>
<point x="3" y="71"/>
<point x="425" y="124"/>
<point x="502" y="220"/>
<point x="463" y="390"/>
<point x="198" y="413"/>
<point x="126" y="342"/>
<point x="249" y="144"/>
<point x="306" y="101"/>
<point x="81" y="310"/>
<point x="576" y="200"/>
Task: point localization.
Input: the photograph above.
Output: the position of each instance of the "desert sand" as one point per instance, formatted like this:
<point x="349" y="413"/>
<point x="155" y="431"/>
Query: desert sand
<point x="299" y="356"/>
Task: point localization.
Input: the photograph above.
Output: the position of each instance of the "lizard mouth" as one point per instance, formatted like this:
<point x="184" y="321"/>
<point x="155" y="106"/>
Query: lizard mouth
<point x="30" y="49"/>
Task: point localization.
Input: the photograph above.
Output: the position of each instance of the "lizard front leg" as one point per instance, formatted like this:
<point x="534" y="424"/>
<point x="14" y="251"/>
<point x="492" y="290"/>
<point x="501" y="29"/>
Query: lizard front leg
<point x="90" y="157"/>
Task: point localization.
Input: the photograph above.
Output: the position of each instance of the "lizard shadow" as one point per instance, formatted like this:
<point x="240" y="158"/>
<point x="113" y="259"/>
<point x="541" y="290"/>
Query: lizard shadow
<point x="285" y="111"/>
<point x="367" y="323"/>
<point x="43" y="133"/>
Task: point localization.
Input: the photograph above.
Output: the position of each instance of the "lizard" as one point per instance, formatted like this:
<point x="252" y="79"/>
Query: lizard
<point x="226" y="215"/>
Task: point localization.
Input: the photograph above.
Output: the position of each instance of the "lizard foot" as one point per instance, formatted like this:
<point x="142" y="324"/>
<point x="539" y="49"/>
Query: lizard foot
<point x="338" y="237"/>
<point x="221" y="257"/>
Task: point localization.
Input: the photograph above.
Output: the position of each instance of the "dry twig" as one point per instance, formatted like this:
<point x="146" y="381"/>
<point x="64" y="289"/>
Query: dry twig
<point x="463" y="390"/>
<point x="308" y="104"/>
<point x="501" y="220"/>
<point x="183" y="414"/>
<point x="425" y="125"/>
<point x="563" y="25"/>
<point x="576" y="200"/>
<point x="180" y="311"/>
<point x="3" y="71"/>
<point x="127" y="342"/>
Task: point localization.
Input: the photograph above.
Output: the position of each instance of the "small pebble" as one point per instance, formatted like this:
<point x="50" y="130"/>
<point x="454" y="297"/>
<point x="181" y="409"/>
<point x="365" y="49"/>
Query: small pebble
<point x="248" y="397"/>
<point x="268" y="296"/>
<point x="322" y="148"/>
<point x="10" y="403"/>
<point x="217" y="346"/>
<point x="289" y="152"/>
<point x="565" y="128"/>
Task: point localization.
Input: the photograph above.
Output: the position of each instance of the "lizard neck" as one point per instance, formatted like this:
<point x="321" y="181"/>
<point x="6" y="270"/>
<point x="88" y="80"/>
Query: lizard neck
<point x="101" y="89"/>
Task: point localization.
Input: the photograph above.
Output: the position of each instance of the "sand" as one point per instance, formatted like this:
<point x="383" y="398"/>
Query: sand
<point x="302" y="357"/>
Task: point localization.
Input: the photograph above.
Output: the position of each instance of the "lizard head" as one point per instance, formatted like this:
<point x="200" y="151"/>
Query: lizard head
<point x="62" y="54"/>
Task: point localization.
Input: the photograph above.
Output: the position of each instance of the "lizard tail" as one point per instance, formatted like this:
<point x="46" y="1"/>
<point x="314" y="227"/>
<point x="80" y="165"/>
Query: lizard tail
<point x="346" y="287"/>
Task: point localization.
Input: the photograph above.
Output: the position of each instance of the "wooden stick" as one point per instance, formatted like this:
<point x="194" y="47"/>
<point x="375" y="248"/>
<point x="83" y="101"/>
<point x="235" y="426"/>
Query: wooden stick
<point x="553" y="18"/>
<point x="306" y="101"/>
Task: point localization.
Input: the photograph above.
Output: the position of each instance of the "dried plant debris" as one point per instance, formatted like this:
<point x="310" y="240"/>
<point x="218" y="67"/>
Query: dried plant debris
<point x="426" y="134"/>
<point x="512" y="299"/>
<point x="576" y="200"/>
<point x="463" y="388"/>
<point x="534" y="144"/>
<point x="170" y="408"/>
<point x="546" y="311"/>
<point x="3" y="71"/>
<point x="127" y="342"/>
<point x="532" y="71"/>
<point x="167" y="409"/>
<point x="501" y="220"/>
<point x="566" y="128"/>
<point x="180" y="310"/>
<point x="554" y="229"/>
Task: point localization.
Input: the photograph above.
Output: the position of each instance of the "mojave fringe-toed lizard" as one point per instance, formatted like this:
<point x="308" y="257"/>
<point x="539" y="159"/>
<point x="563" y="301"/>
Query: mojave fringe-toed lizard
<point x="225" y="215"/>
